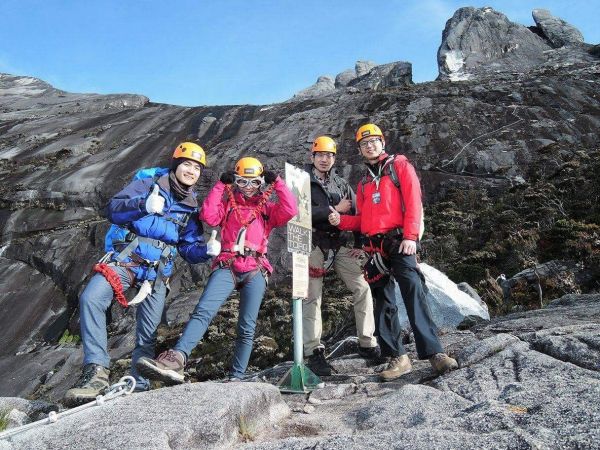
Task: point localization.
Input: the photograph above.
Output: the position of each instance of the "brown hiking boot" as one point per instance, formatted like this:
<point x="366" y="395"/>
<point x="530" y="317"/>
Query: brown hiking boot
<point x="398" y="366"/>
<point x="168" y="367"/>
<point x="92" y="383"/>
<point x="442" y="363"/>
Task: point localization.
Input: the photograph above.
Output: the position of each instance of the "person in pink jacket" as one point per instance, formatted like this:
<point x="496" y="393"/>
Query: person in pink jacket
<point x="240" y="204"/>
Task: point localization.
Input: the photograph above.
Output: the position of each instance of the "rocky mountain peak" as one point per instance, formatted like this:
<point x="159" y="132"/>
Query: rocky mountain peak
<point x="365" y="75"/>
<point x="558" y="32"/>
<point x="478" y="41"/>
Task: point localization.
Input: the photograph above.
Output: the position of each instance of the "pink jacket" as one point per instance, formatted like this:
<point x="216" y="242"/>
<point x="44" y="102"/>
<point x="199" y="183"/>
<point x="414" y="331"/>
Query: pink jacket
<point x="217" y="210"/>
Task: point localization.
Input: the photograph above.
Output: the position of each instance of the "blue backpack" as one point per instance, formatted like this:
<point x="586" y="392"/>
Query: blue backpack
<point x="117" y="233"/>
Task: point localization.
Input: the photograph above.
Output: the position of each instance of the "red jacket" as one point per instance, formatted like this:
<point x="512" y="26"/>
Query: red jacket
<point x="396" y="208"/>
<point x="217" y="210"/>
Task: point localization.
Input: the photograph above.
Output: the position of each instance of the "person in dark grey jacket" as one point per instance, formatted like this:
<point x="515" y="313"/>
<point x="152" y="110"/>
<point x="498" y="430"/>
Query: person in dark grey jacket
<point x="332" y="248"/>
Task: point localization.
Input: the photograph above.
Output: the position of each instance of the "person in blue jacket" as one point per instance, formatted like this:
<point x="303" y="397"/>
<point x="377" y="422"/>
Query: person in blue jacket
<point x="158" y="217"/>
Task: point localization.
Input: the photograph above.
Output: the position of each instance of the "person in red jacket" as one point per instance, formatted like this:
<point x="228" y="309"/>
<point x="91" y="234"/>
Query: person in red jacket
<point x="389" y="214"/>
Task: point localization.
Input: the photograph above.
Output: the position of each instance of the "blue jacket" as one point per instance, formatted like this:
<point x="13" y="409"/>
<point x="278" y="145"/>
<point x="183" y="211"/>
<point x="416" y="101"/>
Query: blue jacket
<point x="128" y="208"/>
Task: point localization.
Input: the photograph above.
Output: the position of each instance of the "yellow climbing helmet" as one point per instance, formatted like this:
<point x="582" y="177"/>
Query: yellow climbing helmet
<point x="192" y="151"/>
<point x="369" y="130"/>
<point x="249" y="167"/>
<point x="324" y="144"/>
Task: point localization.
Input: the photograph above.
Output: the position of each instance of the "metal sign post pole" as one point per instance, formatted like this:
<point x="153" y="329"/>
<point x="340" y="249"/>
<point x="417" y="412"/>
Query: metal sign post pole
<point x="297" y="322"/>
<point x="299" y="378"/>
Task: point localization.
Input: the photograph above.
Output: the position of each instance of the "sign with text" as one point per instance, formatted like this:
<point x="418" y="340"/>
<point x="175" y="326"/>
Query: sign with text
<point x="299" y="229"/>
<point x="299" y="275"/>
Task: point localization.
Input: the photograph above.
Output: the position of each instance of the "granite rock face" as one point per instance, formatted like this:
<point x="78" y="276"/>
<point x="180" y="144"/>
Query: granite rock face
<point x="200" y="415"/>
<point x="324" y="85"/>
<point x="482" y="40"/>
<point x="556" y="30"/>
<point x="385" y="76"/>
<point x="475" y="38"/>
<point x="366" y="75"/>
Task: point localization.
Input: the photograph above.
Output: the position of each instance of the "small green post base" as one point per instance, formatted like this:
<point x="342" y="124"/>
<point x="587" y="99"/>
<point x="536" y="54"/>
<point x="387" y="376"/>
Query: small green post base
<point x="299" y="379"/>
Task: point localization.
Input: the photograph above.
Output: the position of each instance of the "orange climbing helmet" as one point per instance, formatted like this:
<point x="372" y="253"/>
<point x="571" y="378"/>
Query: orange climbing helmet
<point x="369" y="130"/>
<point x="324" y="144"/>
<point x="249" y="167"/>
<point x="192" y="151"/>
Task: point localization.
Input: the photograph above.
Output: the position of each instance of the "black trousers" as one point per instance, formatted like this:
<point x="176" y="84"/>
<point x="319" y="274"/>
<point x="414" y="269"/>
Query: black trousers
<point x="414" y="294"/>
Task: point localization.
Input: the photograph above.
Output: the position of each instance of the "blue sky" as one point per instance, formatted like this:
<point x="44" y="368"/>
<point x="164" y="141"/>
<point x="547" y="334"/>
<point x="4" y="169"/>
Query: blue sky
<point x="222" y="52"/>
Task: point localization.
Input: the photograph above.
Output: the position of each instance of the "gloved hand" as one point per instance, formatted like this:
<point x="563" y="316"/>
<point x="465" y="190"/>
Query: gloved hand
<point x="227" y="177"/>
<point x="269" y="176"/>
<point x="155" y="203"/>
<point x="213" y="247"/>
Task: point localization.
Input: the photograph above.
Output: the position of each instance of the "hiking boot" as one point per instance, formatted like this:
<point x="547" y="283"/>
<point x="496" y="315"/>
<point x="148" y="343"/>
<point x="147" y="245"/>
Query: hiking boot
<point x="318" y="364"/>
<point x="398" y="366"/>
<point x="168" y="367"/>
<point x="369" y="352"/>
<point x="92" y="383"/>
<point x="442" y="363"/>
<point x="232" y="379"/>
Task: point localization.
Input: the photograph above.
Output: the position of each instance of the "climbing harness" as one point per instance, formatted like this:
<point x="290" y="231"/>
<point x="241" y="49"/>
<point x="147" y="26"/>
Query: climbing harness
<point x="240" y="241"/>
<point x="125" y="386"/>
<point x="115" y="282"/>
<point x="328" y="260"/>
<point x="240" y="248"/>
<point x="112" y="277"/>
<point x="375" y="269"/>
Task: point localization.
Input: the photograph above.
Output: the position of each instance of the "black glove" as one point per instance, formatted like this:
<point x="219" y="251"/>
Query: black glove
<point x="227" y="177"/>
<point x="269" y="176"/>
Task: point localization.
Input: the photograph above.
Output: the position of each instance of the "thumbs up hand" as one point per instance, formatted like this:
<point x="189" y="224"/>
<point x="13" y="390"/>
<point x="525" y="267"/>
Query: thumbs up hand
<point x="344" y="205"/>
<point x="334" y="217"/>
<point x="213" y="247"/>
<point x="155" y="203"/>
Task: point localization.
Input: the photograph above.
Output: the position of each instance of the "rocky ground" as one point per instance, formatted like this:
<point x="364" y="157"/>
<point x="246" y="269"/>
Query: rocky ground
<point x="526" y="380"/>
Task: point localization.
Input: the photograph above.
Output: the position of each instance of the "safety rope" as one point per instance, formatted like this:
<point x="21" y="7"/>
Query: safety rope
<point x="349" y="338"/>
<point x="125" y="386"/>
<point x="245" y="222"/>
<point x="113" y="279"/>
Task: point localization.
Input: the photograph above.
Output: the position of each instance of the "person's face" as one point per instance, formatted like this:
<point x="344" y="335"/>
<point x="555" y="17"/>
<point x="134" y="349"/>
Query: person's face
<point x="188" y="172"/>
<point x="323" y="161"/>
<point x="371" y="147"/>
<point x="248" y="186"/>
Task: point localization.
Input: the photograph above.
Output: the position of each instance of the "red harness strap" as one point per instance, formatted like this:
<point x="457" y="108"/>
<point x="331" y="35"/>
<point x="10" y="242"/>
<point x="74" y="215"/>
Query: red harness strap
<point x="374" y="279"/>
<point x="114" y="281"/>
<point x="316" y="272"/>
<point x="370" y="248"/>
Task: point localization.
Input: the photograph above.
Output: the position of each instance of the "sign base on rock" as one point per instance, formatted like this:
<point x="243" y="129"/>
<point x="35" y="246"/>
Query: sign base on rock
<point x="299" y="380"/>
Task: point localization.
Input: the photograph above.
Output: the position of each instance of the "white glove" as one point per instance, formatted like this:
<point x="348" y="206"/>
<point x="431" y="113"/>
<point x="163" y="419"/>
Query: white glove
<point x="213" y="247"/>
<point x="155" y="203"/>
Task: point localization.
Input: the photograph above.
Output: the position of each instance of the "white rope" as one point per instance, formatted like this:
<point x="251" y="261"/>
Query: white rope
<point x="349" y="338"/>
<point x="514" y="113"/>
<point x="125" y="386"/>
